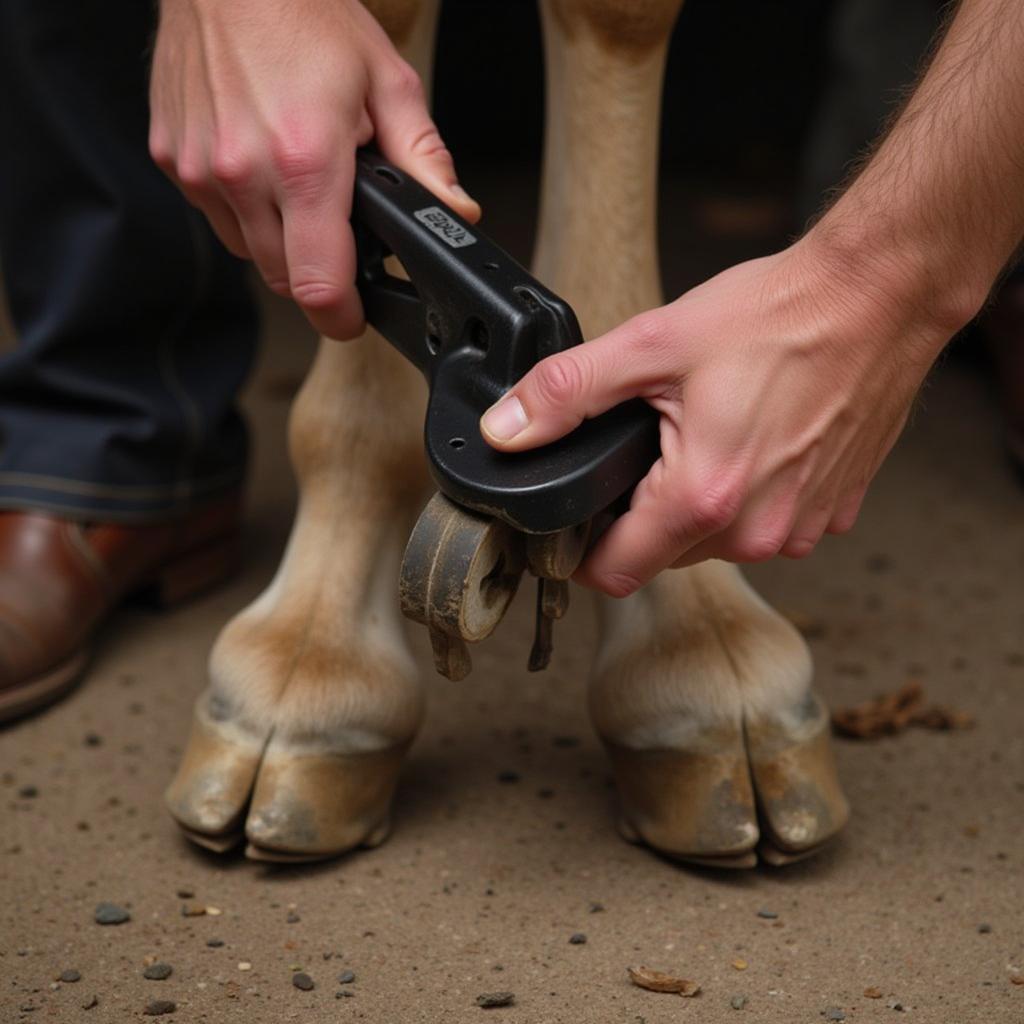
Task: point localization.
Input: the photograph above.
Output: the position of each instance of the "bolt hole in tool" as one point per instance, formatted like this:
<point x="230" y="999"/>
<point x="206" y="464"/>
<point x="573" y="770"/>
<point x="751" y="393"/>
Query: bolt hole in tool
<point x="474" y="321"/>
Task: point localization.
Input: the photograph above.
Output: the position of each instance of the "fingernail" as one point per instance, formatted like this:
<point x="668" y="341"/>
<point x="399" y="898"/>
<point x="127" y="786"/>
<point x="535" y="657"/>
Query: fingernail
<point x="460" y="193"/>
<point x="505" y="419"/>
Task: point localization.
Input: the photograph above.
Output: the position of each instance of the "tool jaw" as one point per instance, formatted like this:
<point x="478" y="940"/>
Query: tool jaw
<point x="474" y="322"/>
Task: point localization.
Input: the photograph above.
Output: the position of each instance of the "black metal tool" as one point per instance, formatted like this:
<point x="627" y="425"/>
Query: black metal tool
<point x="474" y="321"/>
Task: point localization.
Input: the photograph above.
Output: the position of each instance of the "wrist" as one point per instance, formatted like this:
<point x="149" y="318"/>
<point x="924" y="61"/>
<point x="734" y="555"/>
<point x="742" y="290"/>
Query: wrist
<point x="919" y="278"/>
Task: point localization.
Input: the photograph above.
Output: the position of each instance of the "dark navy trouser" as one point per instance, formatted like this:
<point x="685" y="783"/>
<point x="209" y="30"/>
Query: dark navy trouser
<point x="135" y="328"/>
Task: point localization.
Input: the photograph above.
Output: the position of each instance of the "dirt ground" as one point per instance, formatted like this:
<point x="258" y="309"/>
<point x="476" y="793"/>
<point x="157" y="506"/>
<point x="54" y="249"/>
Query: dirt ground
<point x="504" y="845"/>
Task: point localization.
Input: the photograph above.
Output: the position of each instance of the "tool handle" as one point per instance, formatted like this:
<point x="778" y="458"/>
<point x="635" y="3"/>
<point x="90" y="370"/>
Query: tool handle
<point x="474" y="322"/>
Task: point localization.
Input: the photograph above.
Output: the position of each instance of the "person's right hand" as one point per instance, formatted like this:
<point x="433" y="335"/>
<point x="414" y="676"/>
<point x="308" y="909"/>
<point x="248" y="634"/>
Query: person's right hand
<point x="258" y="107"/>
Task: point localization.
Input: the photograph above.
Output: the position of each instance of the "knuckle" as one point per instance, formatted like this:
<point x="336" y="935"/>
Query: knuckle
<point x="428" y="143"/>
<point x="619" y="584"/>
<point x="319" y="294"/>
<point x="757" y="548"/>
<point x="715" y="508"/>
<point x="799" y="548"/>
<point x="403" y="82"/>
<point x="192" y="175"/>
<point x="299" y="165"/>
<point x="843" y="523"/>
<point x="647" y="332"/>
<point x="559" y="380"/>
<point x="232" y="169"/>
<point x="160" y="151"/>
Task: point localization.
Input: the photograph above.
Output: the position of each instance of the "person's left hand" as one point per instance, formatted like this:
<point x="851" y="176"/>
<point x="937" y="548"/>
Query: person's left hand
<point x="782" y="383"/>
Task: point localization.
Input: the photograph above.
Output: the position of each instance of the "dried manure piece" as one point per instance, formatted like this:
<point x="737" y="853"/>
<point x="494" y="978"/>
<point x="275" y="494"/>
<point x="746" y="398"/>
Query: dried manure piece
<point x="492" y="1000"/>
<point x="655" y="981"/>
<point x="892" y="713"/>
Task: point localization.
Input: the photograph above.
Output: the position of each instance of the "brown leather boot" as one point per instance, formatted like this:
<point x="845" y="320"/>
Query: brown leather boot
<point x="59" y="580"/>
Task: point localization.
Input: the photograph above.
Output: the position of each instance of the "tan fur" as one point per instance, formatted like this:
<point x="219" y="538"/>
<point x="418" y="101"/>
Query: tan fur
<point x="691" y="665"/>
<point x="313" y="691"/>
<point x="700" y="691"/>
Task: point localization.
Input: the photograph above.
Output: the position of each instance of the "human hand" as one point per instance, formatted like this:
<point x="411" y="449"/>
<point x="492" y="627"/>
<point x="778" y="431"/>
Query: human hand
<point x="258" y="107"/>
<point x="782" y="383"/>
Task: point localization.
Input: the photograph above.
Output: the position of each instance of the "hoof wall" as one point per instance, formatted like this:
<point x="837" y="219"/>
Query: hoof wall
<point x="739" y="792"/>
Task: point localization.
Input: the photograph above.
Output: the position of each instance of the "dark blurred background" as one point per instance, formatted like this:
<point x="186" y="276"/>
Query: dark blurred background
<point x="765" y="104"/>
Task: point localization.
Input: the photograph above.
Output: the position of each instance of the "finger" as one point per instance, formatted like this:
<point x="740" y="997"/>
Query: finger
<point x="808" y="530"/>
<point x="660" y="525"/>
<point x="224" y="223"/>
<point x="847" y="512"/>
<point x="757" y="534"/>
<point x="408" y="137"/>
<point x="320" y="249"/>
<point x="260" y="224"/>
<point x="557" y="394"/>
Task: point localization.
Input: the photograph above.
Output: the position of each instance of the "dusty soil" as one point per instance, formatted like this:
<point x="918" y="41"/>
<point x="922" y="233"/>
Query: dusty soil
<point x="504" y="846"/>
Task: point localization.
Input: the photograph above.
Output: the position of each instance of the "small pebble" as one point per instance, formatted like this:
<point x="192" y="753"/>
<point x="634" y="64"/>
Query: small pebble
<point x="215" y="943"/>
<point x="346" y="977"/>
<point x="292" y="917"/>
<point x="596" y="908"/>
<point x="91" y="1002"/>
<point x="834" y="1013"/>
<point x="878" y="563"/>
<point x="192" y="910"/>
<point x="158" y="1007"/>
<point x="244" y="965"/>
<point x="93" y="739"/>
<point x="577" y="939"/>
<point x="984" y="928"/>
<point x="738" y="1002"/>
<point x="343" y="994"/>
<point x="768" y="915"/>
<point x="70" y="976"/>
<point x="158" y="972"/>
<point x="895" y="1004"/>
<point x="186" y="894"/>
<point x="28" y="792"/>
<point x="303" y="981"/>
<point x="110" y="913"/>
<point x="509" y="776"/>
<point x="489" y="1000"/>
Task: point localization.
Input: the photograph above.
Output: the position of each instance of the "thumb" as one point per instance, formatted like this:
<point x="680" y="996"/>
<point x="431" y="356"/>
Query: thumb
<point x="561" y="391"/>
<point x="408" y="137"/>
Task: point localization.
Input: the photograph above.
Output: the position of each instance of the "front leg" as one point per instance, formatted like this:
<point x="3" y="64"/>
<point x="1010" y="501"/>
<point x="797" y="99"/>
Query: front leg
<point x="702" y="695"/>
<point x="314" y="696"/>
<point x="701" y="692"/>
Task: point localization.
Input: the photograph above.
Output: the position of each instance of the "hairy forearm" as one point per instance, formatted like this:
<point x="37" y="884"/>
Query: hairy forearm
<point x="938" y="210"/>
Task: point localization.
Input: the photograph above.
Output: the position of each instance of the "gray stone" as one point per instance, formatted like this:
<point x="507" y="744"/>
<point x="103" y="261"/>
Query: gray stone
<point x="110" y="913"/>
<point x="158" y="1007"/>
